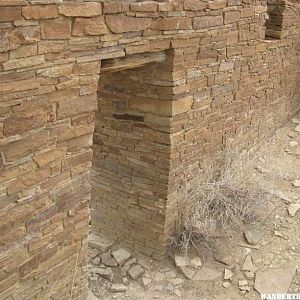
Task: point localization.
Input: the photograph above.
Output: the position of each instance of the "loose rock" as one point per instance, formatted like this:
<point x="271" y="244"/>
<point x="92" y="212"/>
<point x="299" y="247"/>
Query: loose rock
<point x="226" y="284"/>
<point x="205" y="274"/>
<point x="253" y="237"/>
<point x="296" y="183"/>
<point x="108" y="260"/>
<point x="293" y="209"/>
<point x="117" y="288"/>
<point x="227" y="274"/>
<point x="105" y="273"/>
<point x="121" y="256"/>
<point x="248" y="265"/>
<point x="135" y="272"/>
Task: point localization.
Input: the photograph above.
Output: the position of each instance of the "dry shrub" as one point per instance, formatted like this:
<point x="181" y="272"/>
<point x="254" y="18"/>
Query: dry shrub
<point x="220" y="203"/>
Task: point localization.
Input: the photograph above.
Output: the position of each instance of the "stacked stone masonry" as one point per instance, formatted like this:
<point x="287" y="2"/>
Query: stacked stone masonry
<point x="172" y="83"/>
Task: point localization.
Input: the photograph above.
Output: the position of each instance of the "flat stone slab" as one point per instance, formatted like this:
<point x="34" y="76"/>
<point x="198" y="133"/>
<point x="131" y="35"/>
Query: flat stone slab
<point x="100" y="242"/>
<point x="207" y="274"/>
<point x="121" y="256"/>
<point x="275" y="281"/>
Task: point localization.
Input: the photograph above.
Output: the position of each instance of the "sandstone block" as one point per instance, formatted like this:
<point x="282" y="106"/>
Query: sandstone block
<point x="89" y="26"/>
<point x="24" y="62"/>
<point x="119" y="24"/>
<point x="91" y="9"/>
<point x="10" y="14"/>
<point x="207" y="21"/>
<point x="194" y="5"/>
<point x="13" y="38"/>
<point x="56" y="29"/>
<point x="217" y="4"/>
<point x="39" y="12"/>
<point x="115" y="7"/>
<point x="25" y="146"/>
<point x="173" y="23"/>
<point x="18" y="86"/>
<point x="147" y="6"/>
<point x="231" y="16"/>
<point x="45" y="158"/>
<point x="19" y="124"/>
<point x="76" y="106"/>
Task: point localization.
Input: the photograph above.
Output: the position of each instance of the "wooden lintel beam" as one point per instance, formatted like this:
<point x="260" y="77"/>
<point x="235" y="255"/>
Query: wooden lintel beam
<point x="131" y="61"/>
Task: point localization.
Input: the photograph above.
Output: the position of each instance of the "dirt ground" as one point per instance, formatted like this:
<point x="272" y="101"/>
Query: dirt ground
<point x="276" y="255"/>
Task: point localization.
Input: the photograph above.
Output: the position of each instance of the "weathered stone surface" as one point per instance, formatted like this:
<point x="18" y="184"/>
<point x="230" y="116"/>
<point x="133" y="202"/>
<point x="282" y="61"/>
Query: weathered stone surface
<point x="205" y="22"/>
<point x="56" y="29"/>
<point x="89" y="26"/>
<point x="274" y="280"/>
<point x="81" y="9"/>
<point x="174" y="23"/>
<point x="253" y="236"/>
<point x="194" y="5"/>
<point x="135" y="272"/>
<point x="10" y="14"/>
<point x="207" y="274"/>
<point x="121" y="256"/>
<point x="39" y="12"/>
<point x="119" y="24"/>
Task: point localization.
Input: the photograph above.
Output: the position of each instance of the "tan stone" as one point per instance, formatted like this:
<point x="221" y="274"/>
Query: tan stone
<point x="194" y="5"/>
<point x="50" y="46"/>
<point x="115" y="7"/>
<point x="119" y="24"/>
<point x="13" y="38"/>
<point x="206" y="22"/>
<point x="231" y="16"/>
<point x="24" y="51"/>
<point x="89" y="26"/>
<point x="12" y="2"/>
<point x="39" y="12"/>
<point x="81" y="9"/>
<point x="56" y="29"/>
<point x="25" y="146"/>
<point x="18" y="86"/>
<point x="76" y="106"/>
<point x="24" y="62"/>
<point x="45" y="158"/>
<point x="10" y="14"/>
<point x="147" y="6"/>
<point x="172" y="23"/>
<point x="19" y="124"/>
<point x="217" y="4"/>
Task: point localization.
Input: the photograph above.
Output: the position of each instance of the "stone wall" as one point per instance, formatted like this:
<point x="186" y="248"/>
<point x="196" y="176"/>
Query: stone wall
<point x="218" y="79"/>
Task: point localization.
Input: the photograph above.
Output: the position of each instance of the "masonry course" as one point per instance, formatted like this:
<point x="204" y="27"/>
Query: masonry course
<point x="108" y="110"/>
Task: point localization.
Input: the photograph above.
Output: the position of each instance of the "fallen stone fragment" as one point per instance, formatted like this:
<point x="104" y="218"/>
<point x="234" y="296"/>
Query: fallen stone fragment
<point x="296" y="183"/>
<point x="227" y="274"/>
<point x="274" y="281"/>
<point x="225" y="258"/>
<point x="135" y="272"/>
<point x="108" y="260"/>
<point x="117" y="288"/>
<point x="293" y="144"/>
<point x="121" y="256"/>
<point x="249" y="274"/>
<point x="176" y="281"/>
<point x="169" y="287"/>
<point x="206" y="274"/>
<point x="278" y="233"/>
<point x="187" y="272"/>
<point x="127" y="266"/>
<point x="253" y="236"/>
<point x="293" y="209"/>
<point x="248" y="265"/>
<point x="245" y="288"/>
<point x="96" y="261"/>
<point x="243" y="282"/>
<point x="196" y="262"/>
<point x="226" y="284"/>
<point x="146" y="281"/>
<point x="182" y="261"/>
<point x="295" y="121"/>
<point x="99" y="242"/>
<point x="105" y="273"/>
<point x="297" y="128"/>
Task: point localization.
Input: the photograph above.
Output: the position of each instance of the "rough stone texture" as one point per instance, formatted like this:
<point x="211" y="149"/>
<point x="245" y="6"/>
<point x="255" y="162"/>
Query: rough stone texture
<point x="221" y="83"/>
